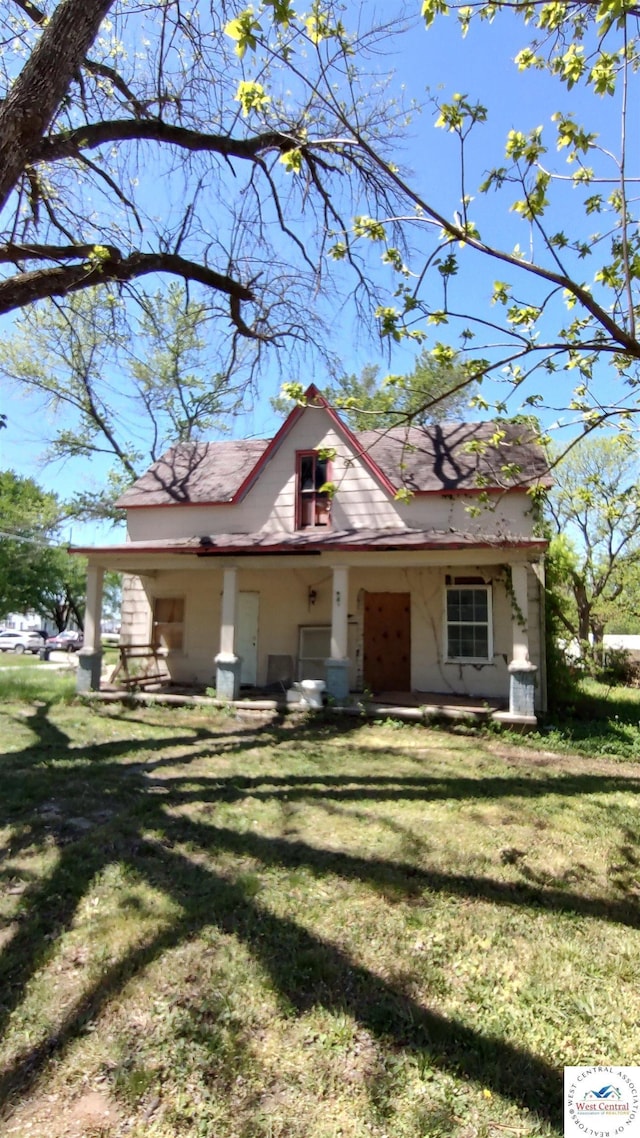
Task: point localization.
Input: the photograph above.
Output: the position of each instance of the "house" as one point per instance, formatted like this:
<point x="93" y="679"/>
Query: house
<point x="404" y="560"/>
<point x="25" y="622"/>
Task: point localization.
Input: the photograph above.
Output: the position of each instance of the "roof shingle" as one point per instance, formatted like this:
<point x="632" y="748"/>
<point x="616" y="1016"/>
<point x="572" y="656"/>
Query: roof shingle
<point x="432" y="459"/>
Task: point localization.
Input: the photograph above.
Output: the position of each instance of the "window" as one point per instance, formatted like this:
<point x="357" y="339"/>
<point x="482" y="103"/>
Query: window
<point x="313" y="505"/>
<point x="313" y="649"/>
<point x="168" y="623"/>
<point x="469" y="623"/>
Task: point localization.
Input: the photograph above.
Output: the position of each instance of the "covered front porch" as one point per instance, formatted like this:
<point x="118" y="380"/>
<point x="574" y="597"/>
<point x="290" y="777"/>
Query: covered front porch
<point x="371" y="627"/>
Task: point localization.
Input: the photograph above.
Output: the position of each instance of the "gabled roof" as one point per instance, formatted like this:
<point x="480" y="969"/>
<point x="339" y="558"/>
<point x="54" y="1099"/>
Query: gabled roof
<point x="435" y="458"/>
<point x="194" y="473"/>
<point x="432" y="459"/>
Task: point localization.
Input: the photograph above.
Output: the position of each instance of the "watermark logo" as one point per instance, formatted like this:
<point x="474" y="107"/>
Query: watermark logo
<point x="602" y="1102"/>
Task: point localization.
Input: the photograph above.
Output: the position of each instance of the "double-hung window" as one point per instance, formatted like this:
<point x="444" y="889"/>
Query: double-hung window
<point x="469" y="624"/>
<point x="313" y="504"/>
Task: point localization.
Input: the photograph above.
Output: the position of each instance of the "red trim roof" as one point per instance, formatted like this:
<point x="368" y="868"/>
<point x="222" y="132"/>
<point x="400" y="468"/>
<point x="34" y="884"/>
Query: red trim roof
<point x="314" y="398"/>
<point x="309" y="541"/>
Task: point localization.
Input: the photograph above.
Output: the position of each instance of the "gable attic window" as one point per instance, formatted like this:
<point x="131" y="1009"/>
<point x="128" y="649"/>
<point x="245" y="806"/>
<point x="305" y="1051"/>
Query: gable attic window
<point x="168" y="623"/>
<point x="313" y="505"/>
<point x="469" y="623"/>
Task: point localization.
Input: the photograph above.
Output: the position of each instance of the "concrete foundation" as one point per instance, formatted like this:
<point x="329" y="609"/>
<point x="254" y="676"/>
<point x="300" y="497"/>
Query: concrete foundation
<point x="337" y="673"/>
<point x="227" y="676"/>
<point x="89" y="669"/>
<point x="522" y="688"/>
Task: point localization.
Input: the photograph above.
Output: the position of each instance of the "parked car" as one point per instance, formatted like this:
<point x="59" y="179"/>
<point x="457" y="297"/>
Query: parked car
<point x="19" y="642"/>
<point x="65" y="641"/>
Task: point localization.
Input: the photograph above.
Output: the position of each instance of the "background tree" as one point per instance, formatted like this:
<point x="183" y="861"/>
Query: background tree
<point x="134" y="140"/>
<point x="110" y="388"/>
<point x="534" y="269"/>
<point x="595" y="515"/>
<point x="431" y="392"/>
<point x="112" y="599"/>
<point x="299" y="161"/>
<point x="62" y="590"/>
<point x="35" y="572"/>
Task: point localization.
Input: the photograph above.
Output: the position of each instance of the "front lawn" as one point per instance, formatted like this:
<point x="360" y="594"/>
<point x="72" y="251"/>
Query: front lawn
<point x="18" y="660"/>
<point x="597" y="719"/>
<point x="214" y="928"/>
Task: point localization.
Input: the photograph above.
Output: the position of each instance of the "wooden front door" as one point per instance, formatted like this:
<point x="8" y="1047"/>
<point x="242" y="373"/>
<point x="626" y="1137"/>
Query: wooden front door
<point x="387" y="641"/>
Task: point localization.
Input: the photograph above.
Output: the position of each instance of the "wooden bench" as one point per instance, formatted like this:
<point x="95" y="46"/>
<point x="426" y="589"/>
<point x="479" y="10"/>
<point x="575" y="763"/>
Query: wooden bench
<point x="140" y="666"/>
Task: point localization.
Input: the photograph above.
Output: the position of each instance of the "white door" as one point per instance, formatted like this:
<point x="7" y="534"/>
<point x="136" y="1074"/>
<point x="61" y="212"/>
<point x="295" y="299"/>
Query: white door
<point x="246" y="644"/>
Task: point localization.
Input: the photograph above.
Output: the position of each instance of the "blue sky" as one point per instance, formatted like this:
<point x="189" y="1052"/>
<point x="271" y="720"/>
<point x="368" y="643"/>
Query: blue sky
<point x="441" y="61"/>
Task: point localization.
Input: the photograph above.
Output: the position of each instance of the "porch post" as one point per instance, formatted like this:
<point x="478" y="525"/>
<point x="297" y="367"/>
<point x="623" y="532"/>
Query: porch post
<point x="337" y="666"/>
<point x="227" y="663"/>
<point x="90" y="655"/>
<point x="521" y="671"/>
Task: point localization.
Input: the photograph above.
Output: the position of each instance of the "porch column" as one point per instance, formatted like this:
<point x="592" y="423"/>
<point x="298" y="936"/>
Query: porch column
<point x="521" y="671"/>
<point x="337" y="666"/>
<point x="90" y="655"/>
<point x="227" y="663"/>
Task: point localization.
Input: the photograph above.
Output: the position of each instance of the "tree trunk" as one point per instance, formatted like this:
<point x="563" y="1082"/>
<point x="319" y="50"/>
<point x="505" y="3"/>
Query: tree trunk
<point x="584" y="610"/>
<point x="29" y="108"/>
<point x="76" y="611"/>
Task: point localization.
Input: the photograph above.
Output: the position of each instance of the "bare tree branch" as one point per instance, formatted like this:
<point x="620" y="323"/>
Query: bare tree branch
<point x="27" y="287"/>
<point x="68" y="144"/>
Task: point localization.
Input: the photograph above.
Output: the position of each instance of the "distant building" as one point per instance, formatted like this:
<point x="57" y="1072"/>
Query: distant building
<point x="23" y="621"/>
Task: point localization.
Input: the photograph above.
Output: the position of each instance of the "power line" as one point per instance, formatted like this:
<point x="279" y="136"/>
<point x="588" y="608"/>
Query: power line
<point x="29" y="540"/>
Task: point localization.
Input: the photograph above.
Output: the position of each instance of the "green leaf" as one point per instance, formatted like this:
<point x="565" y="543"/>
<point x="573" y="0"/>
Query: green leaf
<point x="403" y="495"/>
<point x="527" y="58"/>
<point x="571" y="66"/>
<point x="292" y="161"/>
<point x="244" y="31"/>
<point x="283" y="12"/>
<point x="293" y="391"/>
<point x="369" y="227"/>
<point x="603" y="73"/>
<point x="389" y="318"/>
<point x="500" y="292"/>
<point x="433" y="8"/>
<point x="252" y="97"/>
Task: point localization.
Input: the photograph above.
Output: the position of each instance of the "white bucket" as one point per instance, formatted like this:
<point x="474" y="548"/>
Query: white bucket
<point x="311" y="693"/>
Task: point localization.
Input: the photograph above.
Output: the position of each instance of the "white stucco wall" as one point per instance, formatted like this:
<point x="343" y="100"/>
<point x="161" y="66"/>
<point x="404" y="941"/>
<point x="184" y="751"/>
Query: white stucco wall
<point x="284" y="605"/>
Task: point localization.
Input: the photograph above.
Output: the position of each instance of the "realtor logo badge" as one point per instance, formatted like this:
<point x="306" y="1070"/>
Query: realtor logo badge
<point x="602" y="1102"/>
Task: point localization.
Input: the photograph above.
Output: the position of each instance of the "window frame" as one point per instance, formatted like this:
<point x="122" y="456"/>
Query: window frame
<point x="488" y="624"/>
<point x="313" y="495"/>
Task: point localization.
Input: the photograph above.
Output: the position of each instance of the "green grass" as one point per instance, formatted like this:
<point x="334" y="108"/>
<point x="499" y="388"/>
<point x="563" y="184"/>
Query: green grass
<point x="311" y="929"/>
<point x="24" y="660"/>
<point x="599" y="720"/>
<point x="44" y="684"/>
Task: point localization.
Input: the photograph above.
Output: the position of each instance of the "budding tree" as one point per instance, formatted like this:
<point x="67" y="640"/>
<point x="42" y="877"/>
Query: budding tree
<point x="554" y="314"/>
<point x="208" y="144"/>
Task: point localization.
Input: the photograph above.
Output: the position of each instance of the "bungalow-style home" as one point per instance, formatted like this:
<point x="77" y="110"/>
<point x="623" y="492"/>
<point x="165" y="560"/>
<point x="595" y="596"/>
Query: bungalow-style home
<point x="387" y="561"/>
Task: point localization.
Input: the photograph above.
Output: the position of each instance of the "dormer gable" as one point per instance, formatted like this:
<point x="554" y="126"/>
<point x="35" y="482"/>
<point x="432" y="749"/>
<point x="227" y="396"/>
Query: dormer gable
<point x="314" y="399"/>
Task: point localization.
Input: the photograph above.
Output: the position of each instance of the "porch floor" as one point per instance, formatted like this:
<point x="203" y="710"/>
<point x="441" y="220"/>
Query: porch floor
<point x="416" y="706"/>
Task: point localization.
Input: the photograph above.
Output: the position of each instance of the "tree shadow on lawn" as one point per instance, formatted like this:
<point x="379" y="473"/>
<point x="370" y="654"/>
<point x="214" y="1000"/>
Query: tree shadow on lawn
<point x="121" y="804"/>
